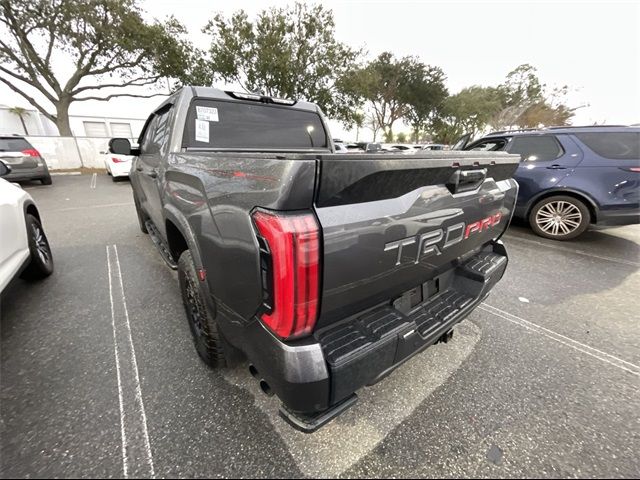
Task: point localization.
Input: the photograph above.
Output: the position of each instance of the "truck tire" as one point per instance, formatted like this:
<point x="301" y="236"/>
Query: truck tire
<point x="41" y="263"/>
<point x="559" y="217"/>
<point x="202" y="322"/>
<point x="46" y="180"/>
<point x="141" y="221"/>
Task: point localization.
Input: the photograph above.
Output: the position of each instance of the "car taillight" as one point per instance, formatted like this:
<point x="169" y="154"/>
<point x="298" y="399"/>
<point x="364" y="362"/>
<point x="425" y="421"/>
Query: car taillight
<point x="293" y="247"/>
<point x="30" y="152"/>
<point x="117" y="160"/>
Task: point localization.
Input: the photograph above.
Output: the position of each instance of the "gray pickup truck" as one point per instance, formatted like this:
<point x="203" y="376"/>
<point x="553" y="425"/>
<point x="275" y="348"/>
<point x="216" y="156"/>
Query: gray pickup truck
<point x="323" y="271"/>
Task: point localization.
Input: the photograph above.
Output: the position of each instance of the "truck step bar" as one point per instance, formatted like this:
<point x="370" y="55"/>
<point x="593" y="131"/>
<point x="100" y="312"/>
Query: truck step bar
<point x="160" y="245"/>
<point x="309" y="424"/>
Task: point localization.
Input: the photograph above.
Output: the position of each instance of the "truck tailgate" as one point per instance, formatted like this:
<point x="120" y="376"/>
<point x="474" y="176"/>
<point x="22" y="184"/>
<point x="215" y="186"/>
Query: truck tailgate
<point x="391" y="223"/>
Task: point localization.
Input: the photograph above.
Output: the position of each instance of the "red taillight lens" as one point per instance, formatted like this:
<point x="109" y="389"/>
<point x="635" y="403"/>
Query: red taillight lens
<point x="294" y="249"/>
<point x="117" y="160"/>
<point x="30" y="152"/>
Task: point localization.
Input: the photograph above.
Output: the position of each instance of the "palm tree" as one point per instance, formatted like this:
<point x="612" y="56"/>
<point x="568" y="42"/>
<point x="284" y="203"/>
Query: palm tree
<point x="21" y="112"/>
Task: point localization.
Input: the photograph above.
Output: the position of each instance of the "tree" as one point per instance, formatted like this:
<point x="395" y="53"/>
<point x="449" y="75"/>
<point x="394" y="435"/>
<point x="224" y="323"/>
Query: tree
<point x="104" y="44"/>
<point x="425" y="96"/>
<point x="401" y="137"/>
<point x="528" y="103"/>
<point x="21" y="113"/>
<point x="286" y="52"/>
<point x="468" y="111"/>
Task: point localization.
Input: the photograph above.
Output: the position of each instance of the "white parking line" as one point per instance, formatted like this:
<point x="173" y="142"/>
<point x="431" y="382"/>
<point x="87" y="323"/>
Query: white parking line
<point x="137" y="460"/>
<point x="84" y="207"/>
<point x="569" y="342"/>
<point x="94" y="179"/>
<point x="572" y="250"/>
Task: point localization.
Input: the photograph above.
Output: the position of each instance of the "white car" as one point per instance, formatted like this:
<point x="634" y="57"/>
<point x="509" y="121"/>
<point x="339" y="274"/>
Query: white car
<point x="117" y="165"/>
<point x="24" y="248"/>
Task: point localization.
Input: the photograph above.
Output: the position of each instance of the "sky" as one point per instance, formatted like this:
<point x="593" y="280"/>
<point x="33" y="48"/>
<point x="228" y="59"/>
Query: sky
<point x="593" y="47"/>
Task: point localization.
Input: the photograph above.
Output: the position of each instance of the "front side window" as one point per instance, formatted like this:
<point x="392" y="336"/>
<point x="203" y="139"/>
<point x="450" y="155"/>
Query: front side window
<point x="156" y="136"/>
<point x="613" y="145"/>
<point x="489" y="146"/>
<point x="536" y="148"/>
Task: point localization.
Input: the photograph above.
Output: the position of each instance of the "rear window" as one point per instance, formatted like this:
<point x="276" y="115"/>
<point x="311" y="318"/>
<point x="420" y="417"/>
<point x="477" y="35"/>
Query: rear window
<point x="13" y="144"/>
<point x="240" y="125"/>
<point x="613" y="145"/>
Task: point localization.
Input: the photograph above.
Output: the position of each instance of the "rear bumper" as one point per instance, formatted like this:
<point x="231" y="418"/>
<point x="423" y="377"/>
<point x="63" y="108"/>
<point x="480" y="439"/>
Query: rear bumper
<point x="326" y="369"/>
<point x="19" y="175"/>
<point x="120" y="169"/>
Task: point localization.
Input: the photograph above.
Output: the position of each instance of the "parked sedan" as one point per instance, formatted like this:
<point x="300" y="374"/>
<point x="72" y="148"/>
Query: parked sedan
<point x="117" y="166"/>
<point x="24" y="248"/>
<point x="572" y="177"/>
<point x="25" y="162"/>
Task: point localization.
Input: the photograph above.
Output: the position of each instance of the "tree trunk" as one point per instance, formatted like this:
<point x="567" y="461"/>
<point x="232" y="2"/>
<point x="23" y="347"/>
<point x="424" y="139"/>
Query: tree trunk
<point x="24" y="125"/>
<point x="62" y="118"/>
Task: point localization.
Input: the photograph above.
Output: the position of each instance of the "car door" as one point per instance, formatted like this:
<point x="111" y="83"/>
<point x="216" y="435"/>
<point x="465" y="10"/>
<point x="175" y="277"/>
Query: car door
<point x="610" y="169"/>
<point x="153" y="147"/>
<point x="14" y="246"/>
<point x="547" y="159"/>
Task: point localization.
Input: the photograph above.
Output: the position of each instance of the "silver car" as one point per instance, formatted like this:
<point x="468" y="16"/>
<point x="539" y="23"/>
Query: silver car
<point x="25" y="162"/>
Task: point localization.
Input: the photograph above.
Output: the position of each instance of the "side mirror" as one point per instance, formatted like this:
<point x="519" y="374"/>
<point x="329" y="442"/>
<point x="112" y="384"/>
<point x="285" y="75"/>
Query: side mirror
<point x="4" y="169"/>
<point x="120" y="146"/>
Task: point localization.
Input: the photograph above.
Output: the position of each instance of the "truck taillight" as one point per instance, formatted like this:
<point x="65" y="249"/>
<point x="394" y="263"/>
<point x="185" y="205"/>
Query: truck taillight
<point x="30" y="152"/>
<point x="293" y="244"/>
<point x="117" y="160"/>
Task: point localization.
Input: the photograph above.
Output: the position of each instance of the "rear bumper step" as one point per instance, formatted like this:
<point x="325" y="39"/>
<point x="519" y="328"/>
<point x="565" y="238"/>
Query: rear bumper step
<point x="363" y="350"/>
<point x="316" y="377"/>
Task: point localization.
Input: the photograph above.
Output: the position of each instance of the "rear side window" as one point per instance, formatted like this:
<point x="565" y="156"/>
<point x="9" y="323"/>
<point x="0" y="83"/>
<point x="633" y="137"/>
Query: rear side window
<point x="240" y="125"/>
<point x="613" y="145"/>
<point x="10" y="144"/>
<point x="536" y="148"/>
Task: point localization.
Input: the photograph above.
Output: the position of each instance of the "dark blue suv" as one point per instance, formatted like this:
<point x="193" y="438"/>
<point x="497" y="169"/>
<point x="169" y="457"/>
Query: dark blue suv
<point x="571" y="177"/>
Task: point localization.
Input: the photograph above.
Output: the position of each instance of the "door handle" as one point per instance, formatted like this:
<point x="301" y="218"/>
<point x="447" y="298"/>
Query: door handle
<point x="556" y="167"/>
<point x="138" y="168"/>
<point x="153" y="174"/>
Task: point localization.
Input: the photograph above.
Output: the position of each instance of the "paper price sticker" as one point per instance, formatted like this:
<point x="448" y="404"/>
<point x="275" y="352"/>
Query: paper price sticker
<point x="208" y="114"/>
<point x="202" y="131"/>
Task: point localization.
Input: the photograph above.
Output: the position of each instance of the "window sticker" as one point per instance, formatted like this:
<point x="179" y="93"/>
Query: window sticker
<point x="209" y="114"/>
<point x="202" y="131"/>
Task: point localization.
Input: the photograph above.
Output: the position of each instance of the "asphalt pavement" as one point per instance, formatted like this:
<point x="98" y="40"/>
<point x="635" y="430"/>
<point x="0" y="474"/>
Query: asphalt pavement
<point x="99" y="378"/>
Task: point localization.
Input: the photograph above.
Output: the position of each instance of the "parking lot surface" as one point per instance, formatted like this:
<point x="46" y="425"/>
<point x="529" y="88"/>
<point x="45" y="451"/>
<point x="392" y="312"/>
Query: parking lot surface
<point x="99" y="377"/>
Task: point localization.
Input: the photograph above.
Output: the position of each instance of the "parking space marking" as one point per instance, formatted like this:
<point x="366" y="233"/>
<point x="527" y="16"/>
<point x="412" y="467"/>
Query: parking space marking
<point x="137" y="459"/>
<point x="337" y="446"/>
<point x="572" y="250"/>
<point x="569" y="342"/>
<point x="84" y="207"/>
<point x="94" y="179"/>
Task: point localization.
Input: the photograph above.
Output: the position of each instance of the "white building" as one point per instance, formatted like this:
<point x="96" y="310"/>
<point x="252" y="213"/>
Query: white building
<point x="81" y="125"/>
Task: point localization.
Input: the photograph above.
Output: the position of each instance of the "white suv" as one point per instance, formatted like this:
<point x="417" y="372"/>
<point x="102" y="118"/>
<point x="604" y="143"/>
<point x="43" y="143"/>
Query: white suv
<point x="24" y="248"/>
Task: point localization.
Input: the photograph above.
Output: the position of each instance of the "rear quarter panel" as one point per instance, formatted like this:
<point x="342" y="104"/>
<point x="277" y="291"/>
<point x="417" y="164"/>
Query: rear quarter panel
<point x="216" y="194"/>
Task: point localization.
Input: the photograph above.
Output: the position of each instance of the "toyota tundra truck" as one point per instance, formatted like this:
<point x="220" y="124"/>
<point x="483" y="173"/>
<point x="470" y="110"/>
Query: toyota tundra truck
<point x="323" y="272"/>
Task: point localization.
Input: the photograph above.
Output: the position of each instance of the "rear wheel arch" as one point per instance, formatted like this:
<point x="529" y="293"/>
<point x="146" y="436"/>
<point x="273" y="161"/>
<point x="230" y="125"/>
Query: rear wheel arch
<point x="583" y="197"/>
<point x="180" y="237"/>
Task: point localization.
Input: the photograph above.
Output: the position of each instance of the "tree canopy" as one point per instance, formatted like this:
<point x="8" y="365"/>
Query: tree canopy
<point x="103" y="44"/>
<point x="287" y="52"/>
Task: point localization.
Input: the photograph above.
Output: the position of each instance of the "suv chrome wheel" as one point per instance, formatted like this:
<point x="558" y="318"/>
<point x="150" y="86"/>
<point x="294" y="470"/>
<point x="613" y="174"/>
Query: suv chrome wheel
<point x="559" y="218"/>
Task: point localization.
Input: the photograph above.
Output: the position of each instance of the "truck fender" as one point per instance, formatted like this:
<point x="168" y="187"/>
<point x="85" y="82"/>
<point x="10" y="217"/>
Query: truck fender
<point x="174" y="215"/>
